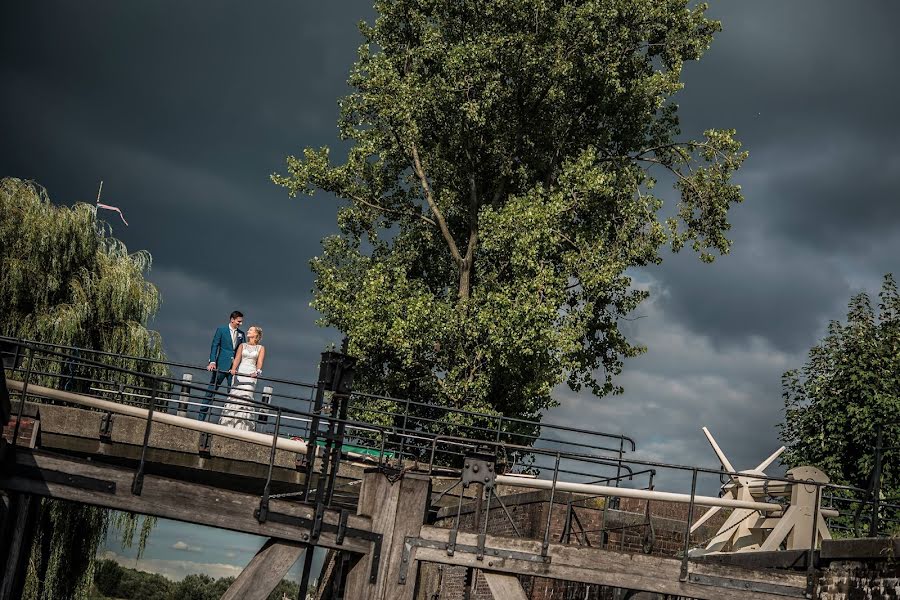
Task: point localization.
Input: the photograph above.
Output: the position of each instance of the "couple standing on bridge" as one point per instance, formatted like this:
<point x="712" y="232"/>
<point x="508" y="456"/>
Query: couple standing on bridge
<point x="240" y="356"/>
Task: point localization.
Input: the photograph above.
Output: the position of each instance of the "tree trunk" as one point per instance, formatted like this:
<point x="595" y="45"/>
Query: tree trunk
<point x="465" y="275"/>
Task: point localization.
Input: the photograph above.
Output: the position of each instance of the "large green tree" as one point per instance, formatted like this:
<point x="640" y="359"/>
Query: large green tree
<point x="65" y="280"/>
<point x="848" y="389"/>
<point x="499" y="185"/>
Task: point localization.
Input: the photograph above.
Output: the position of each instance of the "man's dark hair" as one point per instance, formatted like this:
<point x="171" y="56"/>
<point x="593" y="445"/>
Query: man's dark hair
<point x="236" y="314"/>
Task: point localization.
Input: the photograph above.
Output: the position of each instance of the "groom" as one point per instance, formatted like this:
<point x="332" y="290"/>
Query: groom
<point x="221" y="355"/>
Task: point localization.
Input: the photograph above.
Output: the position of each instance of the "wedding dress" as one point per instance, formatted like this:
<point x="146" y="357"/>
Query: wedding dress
<point x="237" y="413"/>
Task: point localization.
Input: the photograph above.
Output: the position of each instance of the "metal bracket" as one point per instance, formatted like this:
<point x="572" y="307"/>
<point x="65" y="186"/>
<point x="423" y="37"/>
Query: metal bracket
<point x="106" y="424"/>
<point x="318" y="518"/>
<point x="205" y="445"/>
<point x="342" y="527"/>
<point x="479" y="469"/>
<point x="747" y="586"/>
<point x="413" y="542"/>
<point x="360" y="534"/>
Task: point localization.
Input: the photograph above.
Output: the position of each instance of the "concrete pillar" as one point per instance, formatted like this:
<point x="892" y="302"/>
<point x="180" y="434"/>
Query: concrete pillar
<point x="185" y="396"/>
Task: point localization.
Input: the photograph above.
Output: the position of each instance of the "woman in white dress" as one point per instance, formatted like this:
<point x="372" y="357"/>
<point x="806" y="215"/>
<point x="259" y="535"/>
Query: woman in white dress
<point x="247" y="366"/>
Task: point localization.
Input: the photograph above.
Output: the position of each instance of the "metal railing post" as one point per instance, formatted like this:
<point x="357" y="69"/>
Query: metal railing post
<point x="811" y="554"/>
<point x="15" y="435"/>
<point x="687" y="528"/>
<point x="876" y="484"/>
<point x="266" y="398"/>
<point x="137" y="485"/>
<point x="264" y="501"/>
<point x="545" y="545"/>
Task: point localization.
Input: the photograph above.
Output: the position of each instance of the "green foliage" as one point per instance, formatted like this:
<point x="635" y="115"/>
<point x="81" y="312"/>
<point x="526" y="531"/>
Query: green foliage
<point x="114" y="581"/>
<point x="499" y="178"/>
<point x="847" y="390"/>
<point x="65" y="280"/>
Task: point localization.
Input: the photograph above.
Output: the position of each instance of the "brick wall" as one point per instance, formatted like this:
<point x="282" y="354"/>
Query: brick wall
<point x="529" y="513"/>
<point x="28" y="431"/>
<point x="861" y="580"/>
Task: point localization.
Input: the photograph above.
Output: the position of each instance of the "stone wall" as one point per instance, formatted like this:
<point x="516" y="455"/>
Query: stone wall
<point x="860" y="569"/>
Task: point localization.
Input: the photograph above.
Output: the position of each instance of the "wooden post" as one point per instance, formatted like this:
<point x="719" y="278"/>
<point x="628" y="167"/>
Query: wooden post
<point x="397" y="510"/>
<point x="265" y="571"/>
<point x="504" y="587"/>
<point x="15" y="545"/>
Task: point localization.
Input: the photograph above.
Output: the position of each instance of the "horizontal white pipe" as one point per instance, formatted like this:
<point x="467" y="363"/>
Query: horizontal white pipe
<point x="605" y="490"/>
<point x="262" y="439"/>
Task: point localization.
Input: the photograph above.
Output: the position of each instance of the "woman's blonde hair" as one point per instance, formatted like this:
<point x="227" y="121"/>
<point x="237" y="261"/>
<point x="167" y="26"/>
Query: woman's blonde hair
<point x="258" y="330"/>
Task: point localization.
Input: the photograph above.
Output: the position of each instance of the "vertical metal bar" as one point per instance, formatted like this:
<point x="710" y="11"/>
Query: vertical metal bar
<point x="15" y="435"/>
<point x="307" y="567"/>
<point x="508" y="516"/>
<point x="342" y="402"/>
<point x="451" y="544"/>
<point x="545" y="546"/>
<point x="499" y="429"/>
<point x="264" y="501"/>
<point x="314" y="431"/>
<point x="566" y="534"/>
<point x="876" y="484"/>
<point x="619" y="463"/>
<point x="15" y="362"/>
<point x="137" y="485"/>
<point x="604" y="535"/>
<point x="687" y="528"/>
<point x="811" y="554"/>
<point x="403" y="431"/>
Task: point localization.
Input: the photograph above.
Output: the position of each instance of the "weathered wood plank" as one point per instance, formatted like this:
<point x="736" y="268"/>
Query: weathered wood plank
<point x="397" y="510"/>
<point x="265" y="571"/>
<point x="604" y="567"/>
<point x="504" y="587"/>
<point x="44" y="474"/>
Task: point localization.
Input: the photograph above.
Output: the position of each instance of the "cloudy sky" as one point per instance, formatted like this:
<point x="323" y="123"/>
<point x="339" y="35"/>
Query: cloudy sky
<point x="184" y="109"/>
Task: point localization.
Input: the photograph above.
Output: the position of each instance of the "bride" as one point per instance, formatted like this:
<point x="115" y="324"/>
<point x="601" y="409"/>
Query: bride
<point x="247" y="366"/>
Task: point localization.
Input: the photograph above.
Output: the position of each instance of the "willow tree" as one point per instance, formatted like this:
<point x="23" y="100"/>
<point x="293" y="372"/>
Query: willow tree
<point x="498" y="187"/>
<point x="66" y="281"/>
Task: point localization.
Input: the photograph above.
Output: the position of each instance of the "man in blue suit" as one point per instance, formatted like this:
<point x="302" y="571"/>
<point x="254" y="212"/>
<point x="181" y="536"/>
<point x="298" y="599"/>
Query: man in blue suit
<point x="221" y="355"/>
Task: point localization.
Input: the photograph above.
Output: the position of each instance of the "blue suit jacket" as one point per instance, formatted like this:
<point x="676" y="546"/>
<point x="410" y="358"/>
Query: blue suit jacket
<point x="222" y="352"/>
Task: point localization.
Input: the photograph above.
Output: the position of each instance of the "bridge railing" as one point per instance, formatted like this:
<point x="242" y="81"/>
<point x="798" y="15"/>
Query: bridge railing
<point x="337" y="424"/>
<point x="378" y="428"/>
<point x="69" y="368"/>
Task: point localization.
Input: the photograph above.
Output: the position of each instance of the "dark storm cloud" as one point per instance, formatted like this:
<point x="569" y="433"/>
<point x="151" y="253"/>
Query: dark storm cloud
<point x="184" y="109"/>
<point x="806" y="85"/>
<point x="774" y="291"/>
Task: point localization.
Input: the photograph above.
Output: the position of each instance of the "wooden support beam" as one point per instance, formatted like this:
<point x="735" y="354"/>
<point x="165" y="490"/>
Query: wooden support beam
<point x="503" y="586"/>
<point x="44" y="474"/>
<point x="605" y="567"/>
<point x="265" y="571"/>
<point x="397" y="509"/>
<point x="21" y="512"/>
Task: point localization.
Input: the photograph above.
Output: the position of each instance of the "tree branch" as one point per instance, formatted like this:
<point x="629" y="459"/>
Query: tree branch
<point x="411" y="213"/>
<point x="439" y="217"/>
